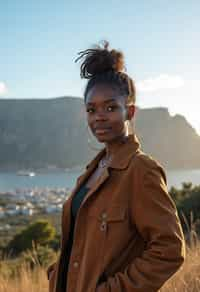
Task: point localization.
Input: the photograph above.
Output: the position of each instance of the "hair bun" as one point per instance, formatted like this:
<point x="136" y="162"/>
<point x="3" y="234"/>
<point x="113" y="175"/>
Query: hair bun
<point x="99" y="60"/>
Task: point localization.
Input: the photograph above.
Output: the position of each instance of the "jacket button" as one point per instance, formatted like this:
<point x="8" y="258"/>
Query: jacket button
<point x="76" y="264"/>
<point x="104" y="215"/>
<point x="103" y="226"/>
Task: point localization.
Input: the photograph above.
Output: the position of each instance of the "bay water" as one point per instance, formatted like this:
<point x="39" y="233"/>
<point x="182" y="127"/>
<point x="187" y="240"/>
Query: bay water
<point x="10" y="181"/>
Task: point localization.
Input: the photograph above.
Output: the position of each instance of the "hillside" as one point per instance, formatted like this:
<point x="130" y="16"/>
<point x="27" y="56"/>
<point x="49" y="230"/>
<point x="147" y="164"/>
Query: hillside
<point x="40" y="133"/>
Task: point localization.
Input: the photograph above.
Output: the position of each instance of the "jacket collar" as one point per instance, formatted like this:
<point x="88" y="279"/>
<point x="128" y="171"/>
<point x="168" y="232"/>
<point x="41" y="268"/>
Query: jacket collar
<point x="124" y="152"/>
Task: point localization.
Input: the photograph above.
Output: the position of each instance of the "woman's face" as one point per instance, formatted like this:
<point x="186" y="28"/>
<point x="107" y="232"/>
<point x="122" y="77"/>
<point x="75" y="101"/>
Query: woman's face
<point x="106" y="113"/>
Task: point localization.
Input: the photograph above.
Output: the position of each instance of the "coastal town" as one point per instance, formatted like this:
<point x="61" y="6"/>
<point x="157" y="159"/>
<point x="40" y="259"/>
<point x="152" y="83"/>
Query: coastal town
<point x="28" y="201"/>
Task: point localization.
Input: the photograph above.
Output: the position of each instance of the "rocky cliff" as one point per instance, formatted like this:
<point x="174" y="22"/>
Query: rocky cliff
<point x="40" y="133"/>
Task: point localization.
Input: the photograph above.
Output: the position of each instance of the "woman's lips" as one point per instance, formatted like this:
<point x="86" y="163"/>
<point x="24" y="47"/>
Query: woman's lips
<point x="102" y="131"/>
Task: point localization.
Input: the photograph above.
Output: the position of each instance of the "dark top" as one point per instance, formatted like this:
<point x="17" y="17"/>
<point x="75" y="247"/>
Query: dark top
<point x="76" y="202"/>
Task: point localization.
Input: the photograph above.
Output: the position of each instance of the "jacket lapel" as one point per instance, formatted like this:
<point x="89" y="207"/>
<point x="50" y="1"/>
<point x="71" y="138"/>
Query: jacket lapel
<point x="121" y="161"/>
<point x="89" y="170"/>
<point x="98" y="183"/>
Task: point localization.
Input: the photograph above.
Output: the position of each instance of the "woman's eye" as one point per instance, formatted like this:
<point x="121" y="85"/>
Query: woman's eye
<point x="90" y="110"/>
<point x="111" y="108"/>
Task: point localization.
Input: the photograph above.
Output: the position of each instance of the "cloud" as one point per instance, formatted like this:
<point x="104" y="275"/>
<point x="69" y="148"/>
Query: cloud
<point x="160" y="82"/>
<point x="3" y="88"/>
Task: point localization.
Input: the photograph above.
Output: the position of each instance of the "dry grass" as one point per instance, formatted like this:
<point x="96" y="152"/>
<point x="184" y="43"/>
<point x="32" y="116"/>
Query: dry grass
<point x="187" y="279"/>
<point x="26" y="281"/>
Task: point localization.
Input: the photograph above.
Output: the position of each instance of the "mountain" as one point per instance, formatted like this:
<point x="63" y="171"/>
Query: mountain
<point x="171" y="139"/>
<point x="41" y="133"/>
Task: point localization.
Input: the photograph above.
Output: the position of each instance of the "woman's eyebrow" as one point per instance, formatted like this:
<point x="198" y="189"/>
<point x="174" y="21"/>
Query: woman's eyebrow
<point x="106" y="101"/>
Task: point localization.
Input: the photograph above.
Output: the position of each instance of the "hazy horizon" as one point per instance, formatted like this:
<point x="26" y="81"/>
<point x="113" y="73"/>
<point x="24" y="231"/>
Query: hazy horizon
<point x="160" y="41"/>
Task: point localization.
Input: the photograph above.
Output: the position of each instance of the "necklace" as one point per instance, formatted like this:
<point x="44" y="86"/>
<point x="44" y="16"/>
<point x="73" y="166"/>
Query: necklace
<point x="104" y="162"/>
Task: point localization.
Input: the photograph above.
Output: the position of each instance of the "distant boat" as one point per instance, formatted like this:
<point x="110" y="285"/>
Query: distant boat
<point x="26" y="173"/>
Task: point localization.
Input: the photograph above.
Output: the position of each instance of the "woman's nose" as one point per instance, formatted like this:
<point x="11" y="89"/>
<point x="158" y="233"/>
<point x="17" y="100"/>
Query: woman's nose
<point x="100" y="116"/>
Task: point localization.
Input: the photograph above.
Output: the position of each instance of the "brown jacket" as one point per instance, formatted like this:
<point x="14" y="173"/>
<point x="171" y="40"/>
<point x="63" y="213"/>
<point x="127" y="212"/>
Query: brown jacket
<point x="127" y="236"/>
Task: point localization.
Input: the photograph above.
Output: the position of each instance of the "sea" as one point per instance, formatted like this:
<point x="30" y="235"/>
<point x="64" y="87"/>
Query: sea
<point x="10" y="181"/>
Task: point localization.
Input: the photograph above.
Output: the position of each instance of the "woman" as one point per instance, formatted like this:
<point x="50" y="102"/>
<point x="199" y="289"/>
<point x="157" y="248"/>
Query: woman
<point x="120" y="229"/>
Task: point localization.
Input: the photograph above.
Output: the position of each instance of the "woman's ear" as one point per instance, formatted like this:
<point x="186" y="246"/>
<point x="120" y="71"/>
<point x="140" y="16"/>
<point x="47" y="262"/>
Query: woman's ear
<point x="130" y="111"/>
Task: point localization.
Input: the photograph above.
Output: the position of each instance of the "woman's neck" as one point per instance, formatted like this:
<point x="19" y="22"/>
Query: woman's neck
<point x="112" y="147"/>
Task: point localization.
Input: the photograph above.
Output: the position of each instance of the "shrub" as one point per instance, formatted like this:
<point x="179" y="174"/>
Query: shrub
<point x="39" y="233"/>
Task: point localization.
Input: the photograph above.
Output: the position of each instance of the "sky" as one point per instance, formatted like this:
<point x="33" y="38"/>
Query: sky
<point x="160" y="39"/>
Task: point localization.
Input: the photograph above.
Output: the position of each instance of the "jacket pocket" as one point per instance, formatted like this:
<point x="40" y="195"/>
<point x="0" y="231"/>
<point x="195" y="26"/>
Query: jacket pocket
<point x="109" y="228"/>
<point x="113" y="214"/>
<point x="108" y="219"/>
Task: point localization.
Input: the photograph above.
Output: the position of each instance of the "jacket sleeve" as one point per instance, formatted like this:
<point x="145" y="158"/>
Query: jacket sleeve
<point x="155" y="216"/>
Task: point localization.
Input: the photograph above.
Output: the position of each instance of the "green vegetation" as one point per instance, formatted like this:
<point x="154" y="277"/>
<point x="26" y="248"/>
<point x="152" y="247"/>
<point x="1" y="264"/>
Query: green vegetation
<point x="35" y="240"/>
<point x="39" y="233"/>
<point x="19" y="222"/>
<point x="33" y="246"/>
<point x="187" y="200"/>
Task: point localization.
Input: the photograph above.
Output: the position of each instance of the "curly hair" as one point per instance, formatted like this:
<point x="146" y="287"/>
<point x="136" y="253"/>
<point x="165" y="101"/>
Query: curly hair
<point x="103" y="66"/>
